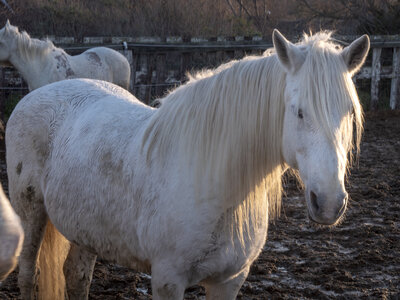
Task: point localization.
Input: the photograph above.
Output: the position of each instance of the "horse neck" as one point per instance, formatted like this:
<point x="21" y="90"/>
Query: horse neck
<point x="30" y="62"/>
<point x="250" y="152"/>
<point x="229" y="126"/>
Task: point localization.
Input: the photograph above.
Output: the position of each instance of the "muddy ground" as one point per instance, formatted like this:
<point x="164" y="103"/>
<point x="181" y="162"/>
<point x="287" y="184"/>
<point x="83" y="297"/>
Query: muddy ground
<point x="359" y="259"/>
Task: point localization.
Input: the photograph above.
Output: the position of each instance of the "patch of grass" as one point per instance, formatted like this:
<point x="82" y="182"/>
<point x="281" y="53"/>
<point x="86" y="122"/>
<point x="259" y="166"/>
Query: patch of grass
<point x="384" y="94"/>
<point x="364" y="93"/>
<point x="11" y="102"/>
<point x="365" y="98"/>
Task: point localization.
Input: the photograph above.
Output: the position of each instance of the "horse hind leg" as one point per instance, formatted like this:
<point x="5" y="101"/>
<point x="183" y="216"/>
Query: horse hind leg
<point x="33" y="219"/>
<point x="78" y="271"/>
<point x="44" y="250"/>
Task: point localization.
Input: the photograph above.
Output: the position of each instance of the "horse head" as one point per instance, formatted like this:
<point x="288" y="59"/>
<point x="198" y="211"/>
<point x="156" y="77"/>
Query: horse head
<point x="321" y="106"/>
<point x="7" y="43"/>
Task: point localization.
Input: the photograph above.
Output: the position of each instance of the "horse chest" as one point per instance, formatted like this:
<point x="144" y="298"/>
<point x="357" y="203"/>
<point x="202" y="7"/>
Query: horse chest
<point x="228" y="253"/>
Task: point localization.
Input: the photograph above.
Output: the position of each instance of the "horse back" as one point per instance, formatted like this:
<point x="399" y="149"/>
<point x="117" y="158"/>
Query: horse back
<point x="43" y="114"/>
<point x="69" y="141"/>
<point x="103" y="63"/>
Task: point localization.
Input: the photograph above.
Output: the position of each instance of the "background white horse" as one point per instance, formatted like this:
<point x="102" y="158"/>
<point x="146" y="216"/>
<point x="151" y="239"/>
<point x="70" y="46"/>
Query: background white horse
<point x="184" y="192"/>
<point x="11" y="236"/>
<point x="41" y="63"/>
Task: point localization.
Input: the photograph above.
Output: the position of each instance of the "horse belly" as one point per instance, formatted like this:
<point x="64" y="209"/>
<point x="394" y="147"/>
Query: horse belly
<point x="98" y="228"/>
<point x="96" y="209"/>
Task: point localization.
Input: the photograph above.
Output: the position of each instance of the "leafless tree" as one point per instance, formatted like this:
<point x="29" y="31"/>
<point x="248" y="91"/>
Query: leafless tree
<point x="4" y="2"/>
<point x="256" y="11"/>
<point x="370" y="16"/>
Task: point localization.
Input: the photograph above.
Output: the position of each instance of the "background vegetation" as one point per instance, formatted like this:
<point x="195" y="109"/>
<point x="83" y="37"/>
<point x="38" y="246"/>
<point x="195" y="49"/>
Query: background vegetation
<point x="207" y="18"/>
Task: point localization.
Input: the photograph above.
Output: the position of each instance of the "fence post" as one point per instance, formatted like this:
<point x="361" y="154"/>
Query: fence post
<point x="2" y="95"/>
<point x="395" y="89"/>
<point x="375" y="77"/>
<point x="161" y="74"/>
<point x="185" y="63"/>
<point x="140" y="81"/>
<point x="151" y="62"/>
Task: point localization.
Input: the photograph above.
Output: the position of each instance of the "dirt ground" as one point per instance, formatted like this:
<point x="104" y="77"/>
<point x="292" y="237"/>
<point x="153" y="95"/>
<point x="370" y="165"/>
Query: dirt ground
<point x="359" y="259"/>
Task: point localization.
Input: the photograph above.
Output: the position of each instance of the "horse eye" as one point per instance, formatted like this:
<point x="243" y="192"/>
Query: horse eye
<point x="300" y="114"/>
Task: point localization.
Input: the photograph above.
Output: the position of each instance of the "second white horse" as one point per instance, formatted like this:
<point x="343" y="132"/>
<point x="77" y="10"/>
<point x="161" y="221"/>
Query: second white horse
<point x="41" y="63"/>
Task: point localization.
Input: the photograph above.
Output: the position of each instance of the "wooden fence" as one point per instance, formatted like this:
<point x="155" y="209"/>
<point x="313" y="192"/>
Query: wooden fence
<point x="377" y="70"/>
<point x="158" y="66"/>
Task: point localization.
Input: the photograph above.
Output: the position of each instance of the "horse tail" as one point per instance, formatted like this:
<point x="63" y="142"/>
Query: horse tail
<point x="52" y="255"/>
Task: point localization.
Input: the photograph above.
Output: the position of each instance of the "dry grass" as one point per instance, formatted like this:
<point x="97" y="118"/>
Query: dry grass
<point x="207" y="18"/>
<point x="123" y="17"/>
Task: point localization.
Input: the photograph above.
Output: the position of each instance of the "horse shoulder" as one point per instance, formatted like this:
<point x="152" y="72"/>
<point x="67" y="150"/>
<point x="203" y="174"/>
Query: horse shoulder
<point x="59" y="65"/>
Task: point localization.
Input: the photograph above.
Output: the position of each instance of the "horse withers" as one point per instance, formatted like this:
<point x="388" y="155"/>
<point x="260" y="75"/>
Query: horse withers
<point x="41" y="63"/>
<point x="185" y="191"/>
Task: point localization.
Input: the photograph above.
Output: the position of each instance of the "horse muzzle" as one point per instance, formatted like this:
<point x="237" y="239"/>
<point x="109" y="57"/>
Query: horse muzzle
<point x="326" y="210"/>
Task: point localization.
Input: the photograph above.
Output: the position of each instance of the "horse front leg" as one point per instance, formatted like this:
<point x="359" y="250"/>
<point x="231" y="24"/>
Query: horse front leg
<point x="78" y="272"/>
<point x="226" y="290"/>
<point x="166" y="284"/>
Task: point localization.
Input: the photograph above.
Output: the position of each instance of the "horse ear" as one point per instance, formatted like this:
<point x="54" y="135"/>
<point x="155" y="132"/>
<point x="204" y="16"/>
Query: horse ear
<point x="7" y="26"/>
<point x="355" y="54"/>
<point x="289" y="55"/>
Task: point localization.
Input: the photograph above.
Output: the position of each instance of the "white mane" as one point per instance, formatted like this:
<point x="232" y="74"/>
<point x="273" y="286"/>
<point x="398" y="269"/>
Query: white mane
<point x="228" y="124"/>
<point x="28" y="46"/>
<point x="228" y="121"/>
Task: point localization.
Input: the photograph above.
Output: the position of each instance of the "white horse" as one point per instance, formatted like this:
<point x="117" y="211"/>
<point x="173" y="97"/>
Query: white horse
<point x="184" y="192"/>
<point x="41" y="63"/>
<point x="11" y="237"/>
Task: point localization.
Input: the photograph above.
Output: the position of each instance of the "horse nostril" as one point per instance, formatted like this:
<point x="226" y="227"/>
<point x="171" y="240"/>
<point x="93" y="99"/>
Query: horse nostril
<point x="343" y="198"/>
<point x="346" y="197"/>
<point x="314" y="202"/>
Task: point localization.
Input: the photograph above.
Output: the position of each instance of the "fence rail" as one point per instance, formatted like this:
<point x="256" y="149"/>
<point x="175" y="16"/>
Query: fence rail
<point x="157" y="65"/>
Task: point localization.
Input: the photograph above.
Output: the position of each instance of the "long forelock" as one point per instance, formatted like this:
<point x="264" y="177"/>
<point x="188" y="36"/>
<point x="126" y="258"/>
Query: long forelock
<point x="329" y="91"/>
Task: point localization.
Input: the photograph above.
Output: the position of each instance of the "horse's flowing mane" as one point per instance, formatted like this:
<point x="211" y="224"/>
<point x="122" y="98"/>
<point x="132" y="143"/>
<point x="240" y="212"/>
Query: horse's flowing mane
<point x="227" y="123"/>
<point x="27" y="46"/>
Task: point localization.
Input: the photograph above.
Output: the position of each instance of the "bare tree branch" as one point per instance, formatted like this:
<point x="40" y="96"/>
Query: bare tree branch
<point x="7" y="6"/>
<point x="244" y="8"/>
<point x="231" y="7"/>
